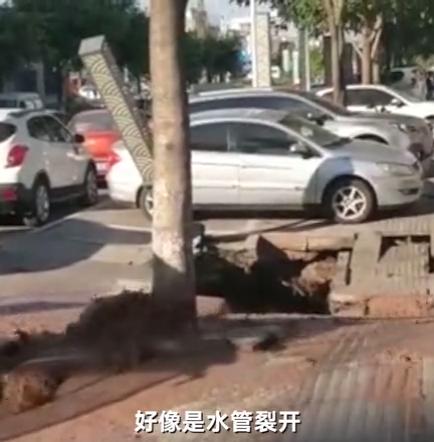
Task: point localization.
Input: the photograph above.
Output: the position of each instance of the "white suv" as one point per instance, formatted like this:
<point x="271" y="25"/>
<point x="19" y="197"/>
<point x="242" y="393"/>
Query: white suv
<point x="41" y="163"/>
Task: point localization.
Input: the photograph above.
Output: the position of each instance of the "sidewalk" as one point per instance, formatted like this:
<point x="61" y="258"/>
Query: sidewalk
<point x="351" y="381"/>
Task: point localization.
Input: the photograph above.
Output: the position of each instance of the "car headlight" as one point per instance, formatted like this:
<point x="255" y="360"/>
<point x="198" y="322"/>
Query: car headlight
<point x="396" y="169"/>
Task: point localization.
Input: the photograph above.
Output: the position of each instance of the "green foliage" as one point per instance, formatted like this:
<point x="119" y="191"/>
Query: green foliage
<point x="193" y="57"/>
<point x="51" y="30"/>
<point x="212" y="55"/>
<point x="408" y="24"/>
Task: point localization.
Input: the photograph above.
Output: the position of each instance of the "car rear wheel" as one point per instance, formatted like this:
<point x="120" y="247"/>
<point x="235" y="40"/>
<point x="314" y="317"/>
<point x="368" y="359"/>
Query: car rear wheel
<point x="40" y="205"/>
<point x="146" y="203"/>
<point x="349" y="201"/>
<point x="90" y="191"/>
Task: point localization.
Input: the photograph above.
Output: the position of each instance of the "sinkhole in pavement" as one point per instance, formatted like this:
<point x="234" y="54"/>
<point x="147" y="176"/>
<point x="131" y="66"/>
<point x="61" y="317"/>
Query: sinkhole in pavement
<point x="290" y="282"/>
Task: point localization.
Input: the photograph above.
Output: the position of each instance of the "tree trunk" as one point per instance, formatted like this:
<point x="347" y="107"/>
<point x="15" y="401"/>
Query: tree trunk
<point x="377" y="50"/>
<point x="366" y="58"/>
<point x="337" y="71"/>
<point x="376" y="72"/>
<point x="173" y="269"/>
<point x="334" y="10"/>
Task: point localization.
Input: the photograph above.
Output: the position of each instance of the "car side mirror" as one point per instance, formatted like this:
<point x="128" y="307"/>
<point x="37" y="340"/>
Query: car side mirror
<point x="79" y="138"/>
<point x="299" y="149"/>
<point x="396" y="102"/>
<point x="318" y="119"/>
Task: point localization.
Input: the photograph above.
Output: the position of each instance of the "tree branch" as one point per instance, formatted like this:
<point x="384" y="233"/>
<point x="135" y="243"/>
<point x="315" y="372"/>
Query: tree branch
<point x="356" y="48"/>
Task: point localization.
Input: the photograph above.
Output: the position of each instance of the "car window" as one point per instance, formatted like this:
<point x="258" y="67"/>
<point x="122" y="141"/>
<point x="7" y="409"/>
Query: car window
<point x="6" y="131"/>
<point x="283" y="103"/>
<point x="368" y="97"/>
<point x="38" y="130"/>
<point x="261" y="139"/>
<point x="208" y="105"/>
<point x="395" y="76"/>
<point x="5" y="103"/>
<point x="58" y="133"/>
<point x="210" y="137"/>
<point x="261" y="102"/>
<point x="326" y="106"/>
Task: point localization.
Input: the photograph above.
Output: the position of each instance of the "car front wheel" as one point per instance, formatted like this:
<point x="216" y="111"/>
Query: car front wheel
<point x="146" y="203"/>
<point x="350" y="201"/>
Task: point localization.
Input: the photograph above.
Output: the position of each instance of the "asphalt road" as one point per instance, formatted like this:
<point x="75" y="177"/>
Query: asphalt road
<point x="9" y="226"/>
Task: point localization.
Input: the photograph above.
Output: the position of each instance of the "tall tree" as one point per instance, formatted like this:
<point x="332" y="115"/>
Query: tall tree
<point x="366" y="20"/>
<point x="334" y="11"/>
<point x="174" y="279"/>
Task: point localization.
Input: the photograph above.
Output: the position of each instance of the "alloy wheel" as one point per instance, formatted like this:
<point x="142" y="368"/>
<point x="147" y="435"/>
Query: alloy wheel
<point x="349" y="203"/>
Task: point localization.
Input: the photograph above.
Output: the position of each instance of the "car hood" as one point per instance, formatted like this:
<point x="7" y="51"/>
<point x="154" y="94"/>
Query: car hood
<point x="387" y="118"/>
<point x="423" y="108"/>
<point x="382" y="118"/>
<point x="371" y="151"/>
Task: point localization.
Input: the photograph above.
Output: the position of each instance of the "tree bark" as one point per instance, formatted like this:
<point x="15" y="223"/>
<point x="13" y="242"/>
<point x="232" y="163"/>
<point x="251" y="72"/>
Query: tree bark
<point x="173" y="269"/>
<point x="376" y="50"/>
<point x="366" y="57"/>
<point x="333" y="10"/>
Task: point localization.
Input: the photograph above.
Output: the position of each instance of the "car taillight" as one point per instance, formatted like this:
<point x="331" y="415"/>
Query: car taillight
<point x="16" y="155"/>
<point x="112" y="160"/>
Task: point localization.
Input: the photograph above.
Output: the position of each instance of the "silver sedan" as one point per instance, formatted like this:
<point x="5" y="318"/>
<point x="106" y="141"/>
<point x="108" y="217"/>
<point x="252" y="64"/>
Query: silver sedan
<point x="264" y="159"/>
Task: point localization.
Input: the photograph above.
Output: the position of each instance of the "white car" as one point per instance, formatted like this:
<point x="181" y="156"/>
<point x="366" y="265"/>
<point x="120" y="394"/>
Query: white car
<point x="402" y="77"/>
<point x="20" y="101"/>
<point x="250" y="158"/>
<point x="380" y="98"/>
<point x="41" y="163"/>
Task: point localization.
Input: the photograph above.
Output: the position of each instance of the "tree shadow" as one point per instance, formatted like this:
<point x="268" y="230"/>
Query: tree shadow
<point x="71" y="242"/>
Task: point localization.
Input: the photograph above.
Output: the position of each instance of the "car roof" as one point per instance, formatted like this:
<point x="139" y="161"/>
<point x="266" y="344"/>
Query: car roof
<point x="240" y="114"/>
<point x="242" y="91"/>
<point x="246" y="92"/>
<point x="355" y="86"/>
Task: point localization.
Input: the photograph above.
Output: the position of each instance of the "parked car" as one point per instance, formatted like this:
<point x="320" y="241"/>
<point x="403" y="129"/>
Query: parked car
<point x="253" y="158"/>
<point x="20" y="101"/>
<point x="41" y="163"/>
<point x="380" y="98"/>
<point x="402" y="77"/>
<point x="100" y="133"/>
<point x="396" y="131"/>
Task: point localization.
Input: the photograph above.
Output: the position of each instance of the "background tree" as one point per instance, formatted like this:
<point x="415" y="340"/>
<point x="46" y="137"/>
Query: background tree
<point x="55" y="28"/>
<point x="220" y="56"/>
<point x="173" y="276"/>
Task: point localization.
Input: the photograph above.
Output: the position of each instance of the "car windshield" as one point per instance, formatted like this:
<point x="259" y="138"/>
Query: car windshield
<point x="93" y="122"/>
<point x="326" y="104"/>
<point x="313" y="132"/>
